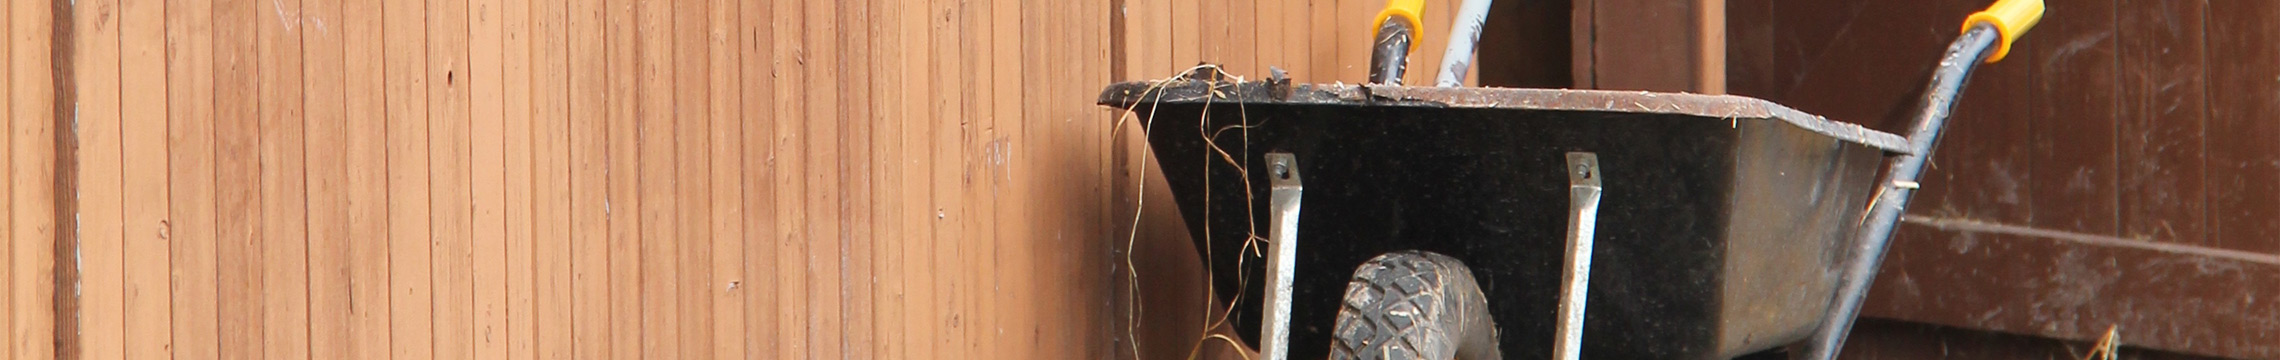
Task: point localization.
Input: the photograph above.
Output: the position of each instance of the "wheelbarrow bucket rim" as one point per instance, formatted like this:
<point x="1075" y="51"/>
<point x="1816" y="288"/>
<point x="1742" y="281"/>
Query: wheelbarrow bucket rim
<point x="1131" y="95"/>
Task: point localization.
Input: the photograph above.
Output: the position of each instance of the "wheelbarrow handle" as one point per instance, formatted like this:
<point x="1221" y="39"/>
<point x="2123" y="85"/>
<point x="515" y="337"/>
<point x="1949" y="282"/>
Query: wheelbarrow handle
<point x="1395" y="33"/>
<point x="1986" y="37"/>
<point x="2010" y="18"/>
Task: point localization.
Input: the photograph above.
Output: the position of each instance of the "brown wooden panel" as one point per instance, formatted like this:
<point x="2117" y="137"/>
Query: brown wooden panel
<point x="2066" y="285"/>
<point x="1643" y="45"/>
<point x="2072" y="117"/>
<point x="2163" y="154"/>
<point x="1526" y="44"/>
<point x="2242" y="150"/>
<point x="2111" y="100"/>
<point x="1874" y="339"/>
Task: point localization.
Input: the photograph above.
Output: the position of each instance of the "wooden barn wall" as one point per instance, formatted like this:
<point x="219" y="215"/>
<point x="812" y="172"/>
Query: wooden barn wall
<point x="2117" y="169"/>
<point x="549" y="179"/>
<point x="34" y="257"/>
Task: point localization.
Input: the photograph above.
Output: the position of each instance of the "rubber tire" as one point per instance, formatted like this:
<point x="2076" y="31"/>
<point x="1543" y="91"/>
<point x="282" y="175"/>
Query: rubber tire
<point x="1414" y="305"/>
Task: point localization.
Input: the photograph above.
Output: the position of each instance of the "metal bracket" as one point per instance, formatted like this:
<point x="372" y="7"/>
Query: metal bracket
<point x="1583" y="216"/>
<point x="1282" y="252"/>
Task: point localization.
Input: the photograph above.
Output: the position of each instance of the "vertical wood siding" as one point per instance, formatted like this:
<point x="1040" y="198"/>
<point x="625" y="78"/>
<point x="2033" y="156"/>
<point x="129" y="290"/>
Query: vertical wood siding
<point x="536" y="179"/>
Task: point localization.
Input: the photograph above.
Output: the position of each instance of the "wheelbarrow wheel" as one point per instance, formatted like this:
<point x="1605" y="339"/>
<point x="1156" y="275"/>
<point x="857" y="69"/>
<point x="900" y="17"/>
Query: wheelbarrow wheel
<point x="1414" y="305"/>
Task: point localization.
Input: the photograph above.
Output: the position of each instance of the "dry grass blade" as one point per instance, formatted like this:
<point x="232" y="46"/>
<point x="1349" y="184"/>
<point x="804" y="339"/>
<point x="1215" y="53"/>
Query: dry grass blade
<point x="2108" y="347"/>
<point x="1252" y="243"/>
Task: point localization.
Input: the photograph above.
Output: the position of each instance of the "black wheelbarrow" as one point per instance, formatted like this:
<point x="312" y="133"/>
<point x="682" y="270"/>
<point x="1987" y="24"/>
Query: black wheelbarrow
<point x="1537" y="223"/>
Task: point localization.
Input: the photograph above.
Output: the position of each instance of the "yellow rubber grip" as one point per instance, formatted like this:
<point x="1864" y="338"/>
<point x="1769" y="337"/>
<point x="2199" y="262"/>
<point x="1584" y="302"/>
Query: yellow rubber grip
<point x="2011" y="19"/>
<point x="1407" y="10"/>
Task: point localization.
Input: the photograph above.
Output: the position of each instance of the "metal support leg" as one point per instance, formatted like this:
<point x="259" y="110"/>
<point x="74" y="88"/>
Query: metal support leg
<point x="1583" y="211"/>
<point x="1282" y="251"/>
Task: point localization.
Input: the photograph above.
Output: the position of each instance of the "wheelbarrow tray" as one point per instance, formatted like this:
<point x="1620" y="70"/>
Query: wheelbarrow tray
<point x="1720" y="232"/>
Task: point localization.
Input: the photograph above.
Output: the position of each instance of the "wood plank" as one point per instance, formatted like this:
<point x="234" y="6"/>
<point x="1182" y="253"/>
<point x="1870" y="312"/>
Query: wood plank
<point x="7" y="248"/>
<point x="2164" y="113"/>
<point x="1212" y="20"/>
<point x="757" y="48"/>
<point x="325" y="98"/>
<point x="367" y="129"/>
<point x="148" y="246"/>
<point x="487" y="134"/>
<point x="2239" y="126"/>
<point x="516" y="325"/>
<point x="1581" y="24"/>
<point x="1352" y="19"/>
<point x="283" y="215"/>
<point x="2174" y="297"/>
<point x="1186" y="48"/>
<point x="962" y="113"/>
<point x="889" y="89"/>
<point x="1709" y="47"/>
<point x="1266" y="29"/>
<point x="915" y="84"/>
<point x="32" y="232"/>
<point x="1645" y="45"/>
<point x="590" y="242"/>
<point x="787" y="146"/>
<point x="727" y="288"/>
<point x="625" y="236"/>
<point x="2072" y="118"/>
<point x="1879" y="339"/>
<point x="692" y="188"/>
<point x="1322" y="43"/>
<point x="1297" y="51"/>
<point x="1158" y="48"/>
<point x="858" y="255"/>
<point x="991" y="154"/>
<point x="1244" y="48"/>
<point x="1425" y="60"/>
<point x="451" y="200"/>
<point x="660" y="243"/>
<point x="551" y="181"/>
<point x="411" y="279"/>
<point x="237" y="177"/>
<point x="100" y="203"/>
<point x="824" y="237"/>
<point x="191" y="219"/>
<point x="1526" y="44"/>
